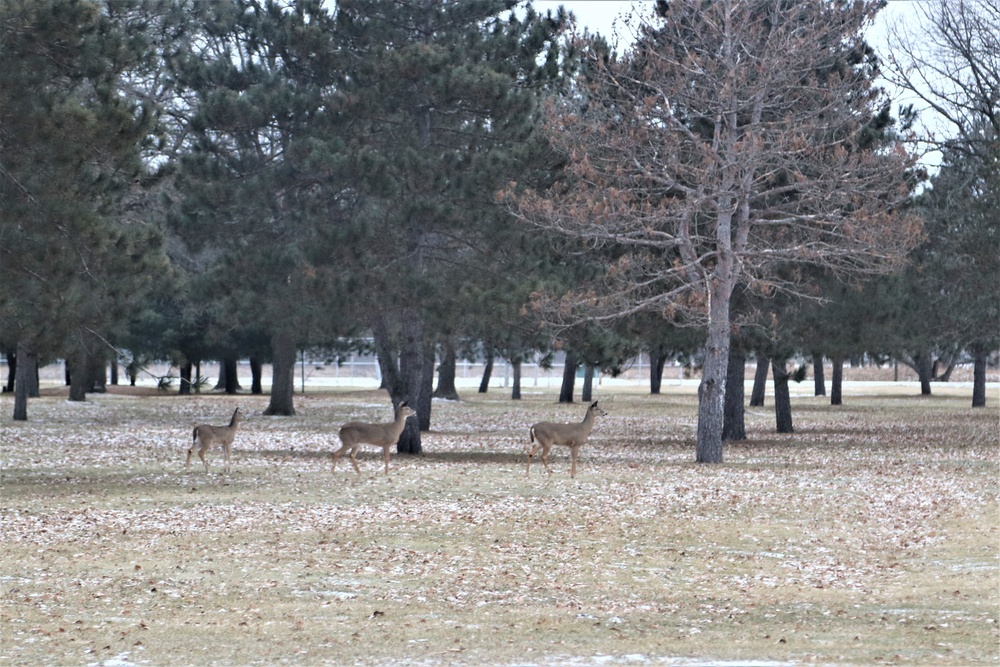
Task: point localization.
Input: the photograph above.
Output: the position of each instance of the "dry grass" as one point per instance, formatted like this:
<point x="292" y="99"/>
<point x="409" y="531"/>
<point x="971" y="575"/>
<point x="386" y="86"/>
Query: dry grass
<point x="870" y="536"/>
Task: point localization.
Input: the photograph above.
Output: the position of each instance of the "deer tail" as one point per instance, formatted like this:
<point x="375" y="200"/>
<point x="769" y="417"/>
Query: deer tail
<point x="195" y="435"/>
<point x="531" y="433"/>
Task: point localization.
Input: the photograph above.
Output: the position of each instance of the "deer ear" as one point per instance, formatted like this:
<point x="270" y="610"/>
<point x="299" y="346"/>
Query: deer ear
<point x="594" y="404"/>
<point x="404" y="404"/>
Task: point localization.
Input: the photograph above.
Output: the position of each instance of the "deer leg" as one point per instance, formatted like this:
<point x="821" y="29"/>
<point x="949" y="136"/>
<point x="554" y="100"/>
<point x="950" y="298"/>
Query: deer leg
<point x="201" y="455"/>
<point x="531" y="454"/>
<point x="187" y="464"/>
<point x="385" y="453"/>
<point x="545" y="458"/>
<point x="574" y="450"/>
<point x="336" y="455"/>
<point x="225" y="450"/>
<point x="354" y="460"/>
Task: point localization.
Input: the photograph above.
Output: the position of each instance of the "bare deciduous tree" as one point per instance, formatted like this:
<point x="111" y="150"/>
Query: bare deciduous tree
<point x="736" y="136"/>
<point x="953" y="68"/>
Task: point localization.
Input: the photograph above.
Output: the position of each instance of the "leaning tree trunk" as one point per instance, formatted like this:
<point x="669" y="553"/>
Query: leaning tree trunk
<point x="587" y="394"/>
<point x="837" y="380"/>
<point x="978" y="376"/>
<point x="782" y="399"/>
<point x="656" y="363"/>
<point x="283" y="375"/>
<point x="484" y="385"/>
<point x="568" y="378"/>
<point x="25" y="369"/>
<point x="734" y="426"/>
<point x="446" y="373"/>
<point x="759" y="380"/>
<point x="819" y="381"/>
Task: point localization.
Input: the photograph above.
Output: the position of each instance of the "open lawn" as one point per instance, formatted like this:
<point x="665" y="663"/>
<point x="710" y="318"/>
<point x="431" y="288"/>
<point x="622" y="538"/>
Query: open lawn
<point x="869" y="536"/>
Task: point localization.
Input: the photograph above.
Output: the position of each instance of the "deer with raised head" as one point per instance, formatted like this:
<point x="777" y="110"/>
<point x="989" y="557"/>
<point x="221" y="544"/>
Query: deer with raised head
<point x="355" y="434"/>
<point x="574" y="436"/>
<point x="211" y="435"/>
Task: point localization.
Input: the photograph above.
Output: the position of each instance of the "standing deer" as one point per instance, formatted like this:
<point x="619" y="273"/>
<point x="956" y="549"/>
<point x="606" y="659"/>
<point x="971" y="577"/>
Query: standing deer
<point x="210" y="435"/>
<point x="355" y="434"/>
<point x="574" y="436"/>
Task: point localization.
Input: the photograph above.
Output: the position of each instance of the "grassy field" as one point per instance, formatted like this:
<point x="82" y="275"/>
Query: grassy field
<point x="869" y="536"/>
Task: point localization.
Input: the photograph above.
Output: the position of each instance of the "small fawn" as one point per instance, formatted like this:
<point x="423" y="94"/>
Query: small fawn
<point x="210" y="435"/>
<point x="355" y="434"/>
<point x="574" y="436"/>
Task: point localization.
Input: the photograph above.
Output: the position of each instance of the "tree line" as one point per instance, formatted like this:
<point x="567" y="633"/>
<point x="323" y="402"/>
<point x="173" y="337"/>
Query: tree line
<point x="187" y="181"/>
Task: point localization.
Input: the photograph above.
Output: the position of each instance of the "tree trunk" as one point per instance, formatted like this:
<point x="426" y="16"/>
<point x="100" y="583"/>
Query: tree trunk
<point x="782" y="399"/>
<point x="819" y="381"/>
<point x="587" y="395"/>
<point x="256" y="367"/>
<point x="413" y="365"/>
<point x="97" y="376"/>
<point x="924" y="365"/>
<point x="760" y="380"/>
<point x="283" y="375"/>
<point x="27" y="360"/>
<point x="185" y="384"/>
<point x="712" y="390"/>
<point x="656" y="363"/>
<point x="232" y="375"/>
<point x="484" y="385"/>
<point x="734" y="426"/>
<point x="568" y="379"/>
<point x="515" y="392"/>
<point x="78" y="382"/>
<point x="114" y="372"/>
<point x="837" y="381"/>
<point x="978" y="376"/>
<point x="446" y="373"/>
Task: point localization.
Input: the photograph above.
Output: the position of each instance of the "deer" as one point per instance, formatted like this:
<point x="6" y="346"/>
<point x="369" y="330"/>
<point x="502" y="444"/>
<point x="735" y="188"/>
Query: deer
<point x="574" y="436"/>
<point x="355" y="434"/>
<point x="210" y="435"/>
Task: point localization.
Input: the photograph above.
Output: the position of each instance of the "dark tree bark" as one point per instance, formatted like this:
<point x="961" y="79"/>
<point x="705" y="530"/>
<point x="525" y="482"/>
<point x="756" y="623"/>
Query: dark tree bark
<point x="484" y="385"/>
<point x="734" y="425"/>
<point x="232" y="376"/>
<point x="446" y="373"/>
<point x="114" y="372"/>
<point x="256" y="368"/>
<point x="759" y="380"/>
<point x="656" y="363"/>
<point x="283" y="375"/>
<point x="406" y="381"/>
<point x="979" y="376"/>
<point x="78" y="381"/>
<point x="819" y="379"/>
<point x="515" y="392"/>
<point x="837" y="381"/>
<point x="26" y="374"/>
<point x="568" y="379"/>
<point x="587" y="394"/>
<point x="782" y="399"/>
<point x="924" y="365"/>
<point x="185" y="379"/>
